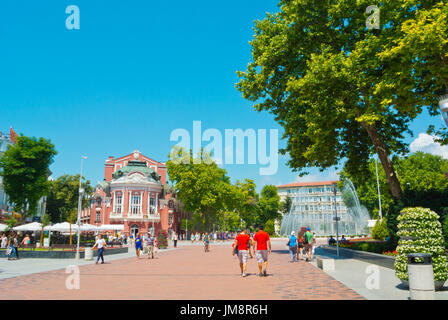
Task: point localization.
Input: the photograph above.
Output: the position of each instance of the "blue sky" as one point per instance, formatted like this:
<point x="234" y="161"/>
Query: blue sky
<point x="133" y="73"/>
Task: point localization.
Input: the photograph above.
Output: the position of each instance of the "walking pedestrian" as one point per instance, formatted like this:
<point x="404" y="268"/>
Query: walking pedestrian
<point x="292" y="244"/>
<point x="307" y="240"/>
<point x="11" y="251"/>
<point x="300" y="248"/>
<point x="138" y="244"/>
<point x="26" y="241"/>
<point x="206" y="240"/>
<point x="100" y="244"/>
<point x="175" y="239"/>
<point x="16" y="245"/>
<point x="150" y="246"/>
<point x="262" y="240"/>
<point x="242" y="241"/>
<point x="313" y="245"/>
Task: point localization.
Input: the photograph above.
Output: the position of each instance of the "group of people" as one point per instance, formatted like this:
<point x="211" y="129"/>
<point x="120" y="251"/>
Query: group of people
<point x="197" y="237"/>
<point x="12" y="243"/>
<point x="296" y="245"/>
<point x="259" y="243"/>
<point x="146" y="244"/>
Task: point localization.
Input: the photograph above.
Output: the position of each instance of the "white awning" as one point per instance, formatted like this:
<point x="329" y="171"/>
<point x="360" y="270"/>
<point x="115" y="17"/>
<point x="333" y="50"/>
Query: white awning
<point x="117" y="227"/>
<point x="3" y="227"/>
<point x="34" y="226"/>
<point x="62" y="227"/>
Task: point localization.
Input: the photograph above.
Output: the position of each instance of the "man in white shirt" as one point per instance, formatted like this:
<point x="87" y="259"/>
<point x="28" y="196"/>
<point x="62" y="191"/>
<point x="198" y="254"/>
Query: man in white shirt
<point x="100" y="243"/>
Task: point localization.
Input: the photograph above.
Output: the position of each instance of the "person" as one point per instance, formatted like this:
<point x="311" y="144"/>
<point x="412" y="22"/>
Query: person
<point x="4" y="241"/>
<point x="100" y="244"/>
<point x="206" y="240"/>
<point x="307" y="241"/>
<point x="248" y="246"/>
<point x="11" y="251"/>
<point x="26" y="241"/>
<point x="343" y="240"/>
<point x="262" y="240"/>
<point x="16" y="245"/>
<point x="300" y="248"/>
<point x="292" y="244"/>
<point x="242" y="240"/>
<point x="175" y="239"/>
<point x="156" y="247"/>
<point x="138" y="244"/>
<point x="215" y="236"/>
<point x="150" y="246"/>
<point x="331" y="240"/>
<point x="198" y="236"/>
<point x="313" y="244"/>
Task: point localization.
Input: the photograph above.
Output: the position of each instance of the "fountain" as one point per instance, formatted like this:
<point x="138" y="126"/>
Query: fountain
<point x="353" y="220"/>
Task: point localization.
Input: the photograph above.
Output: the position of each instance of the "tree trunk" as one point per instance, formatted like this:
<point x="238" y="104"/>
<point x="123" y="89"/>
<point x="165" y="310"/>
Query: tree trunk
<point x="381" y="149"/>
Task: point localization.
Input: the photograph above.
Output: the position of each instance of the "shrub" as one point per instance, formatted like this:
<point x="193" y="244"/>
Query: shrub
<point x="445" y="230"/>
<point x="379" y="231"/>
<point x="420" y="232"/>
<point x="163" y="239"/>
<point x="270" y="227"/>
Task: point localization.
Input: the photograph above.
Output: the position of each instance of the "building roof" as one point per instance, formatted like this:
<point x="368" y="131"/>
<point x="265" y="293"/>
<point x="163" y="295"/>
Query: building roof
<point x="308" y="184"/>
<point x="139" y="166"/>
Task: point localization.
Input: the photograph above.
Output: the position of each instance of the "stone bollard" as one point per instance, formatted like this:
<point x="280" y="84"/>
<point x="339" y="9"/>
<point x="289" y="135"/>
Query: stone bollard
<point x="88" y="254"/>
<point x="421" y="276"/>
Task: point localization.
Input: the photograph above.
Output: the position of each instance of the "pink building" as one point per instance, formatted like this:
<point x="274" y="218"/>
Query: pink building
<point x="134" y="193"/>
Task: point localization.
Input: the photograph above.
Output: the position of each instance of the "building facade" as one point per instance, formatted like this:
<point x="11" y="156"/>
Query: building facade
<point x="313" y="205"/>
<point x="134" y="193"/>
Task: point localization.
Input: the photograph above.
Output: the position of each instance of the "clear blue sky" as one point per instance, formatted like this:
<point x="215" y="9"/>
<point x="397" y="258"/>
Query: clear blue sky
<point x="135" y="71"/>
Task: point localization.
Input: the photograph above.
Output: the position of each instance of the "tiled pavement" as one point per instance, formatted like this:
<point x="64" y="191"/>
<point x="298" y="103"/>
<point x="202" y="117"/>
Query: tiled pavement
<point x="184" y="273"/>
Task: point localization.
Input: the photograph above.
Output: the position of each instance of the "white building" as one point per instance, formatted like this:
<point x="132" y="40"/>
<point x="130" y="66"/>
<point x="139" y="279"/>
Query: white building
<point x="313" y="205"/>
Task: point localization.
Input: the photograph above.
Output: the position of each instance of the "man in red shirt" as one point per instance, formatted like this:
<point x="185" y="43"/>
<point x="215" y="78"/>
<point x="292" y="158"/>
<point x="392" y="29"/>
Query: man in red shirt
<point x="242" y="240"/>
<point x="262" y="239"/>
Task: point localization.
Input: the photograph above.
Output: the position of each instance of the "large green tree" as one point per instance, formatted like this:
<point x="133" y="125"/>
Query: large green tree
<point x="269" y="204"/>
<point x="247" y="202"/>
<point x="202" y="186"/>
<point x="64" y="195"/>
<point x="342" y="91"/>
<point x="24" y="168"/>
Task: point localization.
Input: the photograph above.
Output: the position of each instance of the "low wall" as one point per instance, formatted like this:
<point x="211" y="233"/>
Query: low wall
<point x="373" y="258"/>
<point x="56" y="254"/>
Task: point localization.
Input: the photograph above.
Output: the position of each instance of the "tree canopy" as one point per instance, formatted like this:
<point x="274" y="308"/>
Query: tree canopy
<point x="64" y="195"/>
<point x="342" y="91"/>
<point x="24" y="168"/>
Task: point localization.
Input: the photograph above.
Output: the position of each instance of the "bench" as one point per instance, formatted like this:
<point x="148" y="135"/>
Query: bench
<point x="326" y="264"/>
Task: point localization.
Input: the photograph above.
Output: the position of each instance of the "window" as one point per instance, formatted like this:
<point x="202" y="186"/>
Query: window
<point x="135" y="204"/>
<point x="170" y="218"/>
<point x="98" y="216"/>
<point x="98" y="202"/>
<point x="118" y="203"/>
<point x="152" y="205"/>
<point x="171" y="204"/>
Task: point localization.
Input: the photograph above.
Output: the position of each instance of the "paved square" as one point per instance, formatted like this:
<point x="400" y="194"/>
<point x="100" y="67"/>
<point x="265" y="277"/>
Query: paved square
<point x="185" y="273"/>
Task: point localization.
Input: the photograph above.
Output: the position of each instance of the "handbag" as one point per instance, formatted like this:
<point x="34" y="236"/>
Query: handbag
<point x="289" y="240"/>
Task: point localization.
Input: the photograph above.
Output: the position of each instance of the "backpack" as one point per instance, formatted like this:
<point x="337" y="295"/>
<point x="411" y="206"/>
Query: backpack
<point x="305" y="238"/>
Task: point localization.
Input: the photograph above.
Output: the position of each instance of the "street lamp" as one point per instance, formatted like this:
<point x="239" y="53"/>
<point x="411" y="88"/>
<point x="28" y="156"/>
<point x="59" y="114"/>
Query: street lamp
<point x="443" y="104"/>
<point x="81" y="192"/>
<point x="336" y="218"/>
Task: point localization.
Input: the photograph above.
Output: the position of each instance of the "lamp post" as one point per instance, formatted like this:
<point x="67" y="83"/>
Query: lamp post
<point x="336" y="218"/>
<point x="379" y="194"/>
<point x="443" y="104"/>
<point x="81" y="192"/>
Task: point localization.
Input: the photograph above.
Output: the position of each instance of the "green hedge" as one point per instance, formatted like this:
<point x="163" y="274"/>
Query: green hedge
<point x="369" y="246"/>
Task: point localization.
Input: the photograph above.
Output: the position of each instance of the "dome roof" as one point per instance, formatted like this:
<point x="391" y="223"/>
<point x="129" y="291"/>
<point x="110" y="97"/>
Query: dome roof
<point x="138" y="166"/>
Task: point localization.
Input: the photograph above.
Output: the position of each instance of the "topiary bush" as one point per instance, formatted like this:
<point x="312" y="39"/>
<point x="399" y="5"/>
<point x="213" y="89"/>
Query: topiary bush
<point x="420" y="232"/>
<point x="163" y="239"/>
<point x="379" y="231"/>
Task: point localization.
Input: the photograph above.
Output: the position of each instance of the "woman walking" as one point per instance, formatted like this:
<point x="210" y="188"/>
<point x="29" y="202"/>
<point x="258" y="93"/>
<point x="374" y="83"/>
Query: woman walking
<point x="300" y="248"/>
<point x="138" y="245"/>
<point x="292" y="244"/>
<point x="11" y="251"/>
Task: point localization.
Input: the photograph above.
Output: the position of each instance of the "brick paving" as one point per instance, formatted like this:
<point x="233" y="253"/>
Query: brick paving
<point x="184" y="273"/>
